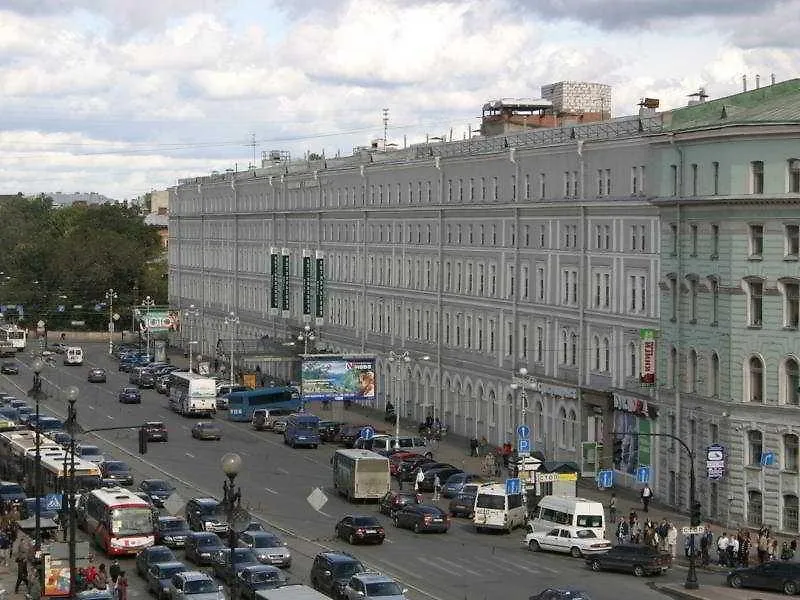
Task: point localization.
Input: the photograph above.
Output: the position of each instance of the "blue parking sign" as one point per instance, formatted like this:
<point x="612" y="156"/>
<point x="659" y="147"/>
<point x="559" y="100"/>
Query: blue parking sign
<point x="367" y="433"/>
<point x="524" y="445"/>
<point x="643" y="474"/>
<point x="605" y="478"/>
<point x="513" y="486"/>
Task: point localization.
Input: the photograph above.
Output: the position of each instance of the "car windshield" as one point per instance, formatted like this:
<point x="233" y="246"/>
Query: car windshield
<point x="173" y="525"/>
<point x="589" y="521"/>
<point x="383" y="588"/>
<point x="243" y="555"/>
<point x="90" y="451"/>
<point x="209" y="510"/>
<point x="200" y="586"/>
<point x="158" y="485"/>
<point x="266" y="577"/>
<point x="208" y="540"/>
<point x="11" y="488"/>
<point x="365" y="522"/>
<point x="160" y="555"/>
<point x="348" y="569"/>
<point x="168" y="571"/>
<point x="131" y="521"/>
<point x="117" y="467"/>
<point x="585" y="533"/>
<point x="266" y="541"/>
<point x="492" y="501"/>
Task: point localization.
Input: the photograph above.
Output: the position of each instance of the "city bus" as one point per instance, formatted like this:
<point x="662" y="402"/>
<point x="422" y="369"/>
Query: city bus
<point x="56" y="469"/>
<point x="242" y="404"/>
<point x="302" y="429"/>
<point x="14" y="335"/>
<point x="15" y="449"/>
<point x="191" y="394"/>
<point x="116" y="520"/>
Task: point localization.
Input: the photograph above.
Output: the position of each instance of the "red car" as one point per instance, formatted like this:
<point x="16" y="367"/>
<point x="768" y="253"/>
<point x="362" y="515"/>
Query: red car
<point x="394" y="501"/>
<point x="396" y="461"/>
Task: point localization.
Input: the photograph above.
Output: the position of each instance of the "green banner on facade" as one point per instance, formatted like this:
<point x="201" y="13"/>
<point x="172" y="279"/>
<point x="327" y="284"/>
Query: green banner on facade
<point x="274" y="284"/>
<point x="285" y="276"/>
<point x="320" y="307"/>
<point x="306" y="284"/>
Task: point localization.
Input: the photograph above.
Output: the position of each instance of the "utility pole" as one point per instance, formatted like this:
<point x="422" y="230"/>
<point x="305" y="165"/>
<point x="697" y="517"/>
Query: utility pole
<point x="111" y="295"/>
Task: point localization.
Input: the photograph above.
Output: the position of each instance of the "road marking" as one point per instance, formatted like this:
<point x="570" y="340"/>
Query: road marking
<point x="271" y="491"/>
<point x="434" y="565"/>
<point x="452" y="564"/>
<point x="184" y="427"/>
<point x="110" y="417"/>
<point x="190" y="455"/>
<point x="324" y="514"/>
<point x="537" y="569"/>
<point x="282" y="471"/>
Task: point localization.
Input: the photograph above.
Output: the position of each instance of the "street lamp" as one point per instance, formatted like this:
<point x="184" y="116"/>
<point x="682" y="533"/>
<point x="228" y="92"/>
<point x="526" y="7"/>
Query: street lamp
<point x="111" y="295"/>
<point x="523" y="381"/>
<point x="148" y="303"/>
<point x="402" y="358"/>
<point x="232" y="320"/>
<point x="38" y="365"/>
<point x="191" y="314"/>
<point x="232" y="503"/>
<point x="72" y="428"/>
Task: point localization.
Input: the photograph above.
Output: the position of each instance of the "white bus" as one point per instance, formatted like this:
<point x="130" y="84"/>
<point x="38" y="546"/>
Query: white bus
<point x="14" y="335"/>
<point x="191" y="394"/>
<point x="116" y="520"/>
<point x="73" y="356"/>
<point x="576" y="513"/>
<point x="56" y="470"/>
<point x="496" y="509"/>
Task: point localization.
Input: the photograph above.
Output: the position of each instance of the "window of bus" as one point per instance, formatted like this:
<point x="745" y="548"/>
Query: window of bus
<point x="590" y="521"/>
<point x="131" y="521"/>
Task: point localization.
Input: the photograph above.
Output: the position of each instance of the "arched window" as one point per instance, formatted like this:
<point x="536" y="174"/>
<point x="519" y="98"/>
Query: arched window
<point x="606" y="355"/>
<point x="691" y="371"/>
<point x="754" y="376"/>
<point x="790" y="382"/>
<point x="755" y="506"/>
<point x="755" y="446"/>
<point x="790" y="452"/>
<point x="713" y="376"/>
<point x="790" y="510"/>
<point x="596" y="346"/>
<point x="672" y="360"/>
<point x="564" y="346"/>
<point x="562" y="435"/>
<point x="573" y="428"/>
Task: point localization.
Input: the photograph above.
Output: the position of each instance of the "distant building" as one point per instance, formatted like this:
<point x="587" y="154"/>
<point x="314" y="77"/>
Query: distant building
<point x="79" y="198"/>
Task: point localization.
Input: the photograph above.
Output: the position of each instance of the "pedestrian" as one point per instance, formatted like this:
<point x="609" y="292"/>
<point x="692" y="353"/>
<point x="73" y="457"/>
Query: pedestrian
<point x="418" y="481"/>
<point x="733" y="550"/>
<point x="5" y="546"/>
<point x="121" y="587"/>
<point x="705" y="542"/>
<point x="722" y="549"/>
<point x="672" y="540"/>
<point x="437" y="487"/>
<point x="612" y="508"/>
<point x="763" y="547"/>
<point x="114" y="570"/>
<point x="101" y="579"/>
<point x="22" y="572"/>
<point x="647" y="496"/>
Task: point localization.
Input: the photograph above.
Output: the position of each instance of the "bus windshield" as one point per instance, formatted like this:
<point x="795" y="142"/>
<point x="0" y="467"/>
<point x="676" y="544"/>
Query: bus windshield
<point x="131" y="521"/>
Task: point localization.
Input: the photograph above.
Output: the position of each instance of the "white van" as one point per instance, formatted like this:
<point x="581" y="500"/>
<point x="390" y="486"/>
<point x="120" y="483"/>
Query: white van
<point x="386" y="443"/>
<point x="495" y="509"/>
<point x="73" y="356"/>
<point x="559" y="511"/>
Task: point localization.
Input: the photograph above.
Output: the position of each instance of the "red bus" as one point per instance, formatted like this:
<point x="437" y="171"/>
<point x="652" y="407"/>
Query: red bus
<point x="117" y="520"/>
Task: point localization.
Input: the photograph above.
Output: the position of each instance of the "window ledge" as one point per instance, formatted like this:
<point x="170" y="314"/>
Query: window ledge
<point x="753" y="467"/>
<point x="673" y="320"/>
<point x="789" y="471"/>
<point x="754" y="327"/>
<point x="692" y="321"/>
<point x="693" y="255"/>
<point x="714" y="324"/>
<point x="714" y="257"/>
<point x="755" y="258"/>
<point x="790" y="327"/>
<point x="791" y="258"/>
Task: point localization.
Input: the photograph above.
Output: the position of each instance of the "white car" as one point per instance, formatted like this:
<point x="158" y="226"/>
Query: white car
<point x="575" y="541"/>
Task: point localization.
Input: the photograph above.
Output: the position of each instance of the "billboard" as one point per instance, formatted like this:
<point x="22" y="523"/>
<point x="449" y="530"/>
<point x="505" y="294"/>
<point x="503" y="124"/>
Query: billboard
<point x="158" y="320"/>
<point x="338" y="378"/>
<point x="647" y="341"/>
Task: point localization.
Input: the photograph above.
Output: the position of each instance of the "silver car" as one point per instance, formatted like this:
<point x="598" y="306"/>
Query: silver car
<point x="364" y="586"/>
<point x="194" y="585"/>
<point x="268" y="547"/>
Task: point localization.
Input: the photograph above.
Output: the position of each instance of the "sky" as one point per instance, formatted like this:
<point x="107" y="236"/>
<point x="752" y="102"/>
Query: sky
<point x="122" y="97"/>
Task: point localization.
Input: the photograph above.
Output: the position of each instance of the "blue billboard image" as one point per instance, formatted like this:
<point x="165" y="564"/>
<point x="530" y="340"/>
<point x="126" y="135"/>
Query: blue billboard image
<point x="338" y="378"/>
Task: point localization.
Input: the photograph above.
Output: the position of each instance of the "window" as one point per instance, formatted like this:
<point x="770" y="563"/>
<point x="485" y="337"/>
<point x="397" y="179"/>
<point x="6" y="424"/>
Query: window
<point x="790" y="452"/>
<point x="674" y="179"/>
<point x="790" y="376"/>
<point x="567" y="186"/>
<point x="693" y="230"/>
<point x="754" y="377"/>
<point x="525" y="282"/>
<point x="573" y="348"/>
<point x="713" y="376"/>
<point x="673" y="288"/>
<point x="755" y="508"/>
<point x="756" y="239"/>
<point x="606" y="355"/>
<point x="755" y="441"/>
<point x="794" y="176"/>
<point x="792" y="241"/>
<point x="715" y="176"/>
<point x="790" y="512"/>
<point x="540" y="283"/>
<point x="634" y="181"/>
<point x="542" y="236"/>
<point x="791" y="302"/>
<point x="527" y="186"/>
<point x="694" y="179"/>
<point x="601" y="183"/>
<point x="691" y="371"/>
<point x="672" y="364"/>
<point x="539" y="344"/>
<point x="608" y="182"/>
<point x="713" y="283"/>
<point x="523" y="339"/>
<point x="757" y="177"/>
<point x="634" y="239"/>
<point x="692" y="300"/>
<point x="596" y="348"/>
<point x="714" y="241"/>
<point x="633" y="359"/>
<point x="542" y="185"/>
<point x="564" y="347"/>
<point x="755" y="292"/>
<point x="673" y="230"/>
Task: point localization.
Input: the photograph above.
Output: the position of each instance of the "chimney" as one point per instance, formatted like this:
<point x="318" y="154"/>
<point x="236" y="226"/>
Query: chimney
<point x="772" y="79"/>
<point x="744" y="83"/>
<point x="758" y="81"/>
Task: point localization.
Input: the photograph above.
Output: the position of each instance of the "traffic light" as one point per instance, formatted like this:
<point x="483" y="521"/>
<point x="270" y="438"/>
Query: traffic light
<point x="617" y="451"/>
<point x="142" y="440"/>
<point x="695" y="516"/>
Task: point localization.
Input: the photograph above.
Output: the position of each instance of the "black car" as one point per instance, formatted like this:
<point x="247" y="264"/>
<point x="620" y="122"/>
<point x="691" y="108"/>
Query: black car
<point x="130" y="395"/>
<point x="62" y="438"/>
<point x="156" y="431"/>
<point x="162" y="384"/>
<point x="172" y="531"/>
<point x="221" y="562"/>
<point x="329" y="430"/>
<point x="331" y="571"/>
<point x="561" y="594"/>
<point x="638" y="559"/>
<point x="11" y="492"/>
<point x="778" y="576"/>
<point x="116" y="471"/>
<point x="358" y="529"/>
<point x="422" y="517"/>
<point x="157" y="489"/>
<point x="463" y="504"/>
<point x="253" y="578"/>
<point x="205" y="514"/>
<point x="205" y="430"/>
<point x="201" y="545"/>
<point x="9" y="368"/>
<point x="151" y="556"/>
<point x="394" y="501"/>
<point x="444" y="473"/>
<point x="146" y="380"/>
<point x="96" y="375"/>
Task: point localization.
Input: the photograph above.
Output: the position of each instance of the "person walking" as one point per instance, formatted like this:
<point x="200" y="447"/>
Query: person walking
<point x="5" y="546"/>
<point x="420" y="478"/>
<point x="647" y="496"/>
<point x="121" y="587"/>
<point x="722" y="549"/>
<point x="672" y="540"/>
<point x="114" y="570"/>
<point x="612" y="508"/>
<point x="22" y="572"/>
<point x="101" y="579"/>
<point x="437" y="487"/>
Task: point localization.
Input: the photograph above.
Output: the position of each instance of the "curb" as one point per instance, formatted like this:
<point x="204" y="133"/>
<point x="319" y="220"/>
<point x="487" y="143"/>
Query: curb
<point x="671" y="592"/>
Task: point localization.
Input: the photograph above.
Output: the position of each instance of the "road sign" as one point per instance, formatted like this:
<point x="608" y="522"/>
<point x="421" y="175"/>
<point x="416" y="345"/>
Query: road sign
<point x="513" y="486"/>
<point x="693" y="530"/>
<point x="524" y="445"/>
<point x="52" y="502"/>
<point x="367" y="433"/>
<point x="317" y="499"/>
<point x="643" y="474"/>
<point x="523" y="431"/>
<point x="605" y="478"/>
<point x="767" y="459"/>
<point x="530" y="463"/>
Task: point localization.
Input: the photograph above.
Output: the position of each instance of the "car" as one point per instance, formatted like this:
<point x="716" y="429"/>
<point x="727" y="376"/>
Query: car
<point x="331" y="571"/>
<point x="129" y="395"/>
<point x="17" y="403"/>
<point x="778" y="576"/>
<point x="11" y="493"/>
<point x="456" y="482"/>
<point x="157" y="489"/>
<point x="358" y="529"/>
<point x="422" y="517"/>
<point x="408" y="468"/>
<point x="561" y="594"/>
<point x="156" y="431"/>
<point x="279" y="425"/>
<point x="96" y="375"/>
<point x="205" y="514"/>
<point x="394" y="500"/>
<point x="146" y="380"/>
<point x="117" y="471"/>
<point x="268" y="547"/>
<point x="46" y="425"/>
<point x="151" y="556"/>
<point x="62" y="438"/>
<point x="373" y="585"/>
<point x="444" y="473"/>
<point x="25" y="414"/>
<point x="159" y="575"/>
<point x="172" y="531"/>
<point x="328" y="430"/>
<point x="577" y="542"/>
<point x="349" y="433"/>
<point x="9" y="368"/>
<point x="162" y="384"/>
<point x="463" y="505"/>
<point x="194" y="585"/>
<point x="90" y="453"/>
<point x="253" y="578"/>
<point x="221" y="562"/>
<point x="201" y="545"/>
<point x="638" y="559"/>
<point x="205" y="430"/>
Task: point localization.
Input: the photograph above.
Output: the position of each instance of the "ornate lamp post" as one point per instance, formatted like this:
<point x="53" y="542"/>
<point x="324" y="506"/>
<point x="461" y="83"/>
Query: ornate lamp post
<point x="232" y="320"/>
<point x="148" y="303"/>
<point x="232" y="502"/>
<point x="523" y="381"/>
<point x="111" y="295"/>
<point x="72" y="427"/>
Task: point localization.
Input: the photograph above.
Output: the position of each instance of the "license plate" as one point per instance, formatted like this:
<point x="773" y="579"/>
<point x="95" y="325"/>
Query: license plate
<point x="438" y="520"/>
<point x="372" y="531"/>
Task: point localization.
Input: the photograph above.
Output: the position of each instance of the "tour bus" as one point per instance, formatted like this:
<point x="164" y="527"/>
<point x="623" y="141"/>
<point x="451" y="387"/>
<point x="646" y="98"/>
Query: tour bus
<point x="242" y="404"/>
<point x="73" y="356"/>
<point x="361" y="474"/>
<point x="56" y="469"/>
<point x="302" y="429"/>
<point x="14" y="335"/>
<point x="116" y="520"/>
<point x="560" y="511"/>
<point x="191" y="394"/>
<point x="497" y="509"/>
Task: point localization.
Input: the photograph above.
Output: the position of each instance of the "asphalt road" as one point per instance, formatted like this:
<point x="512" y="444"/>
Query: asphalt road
<point x="276" y="480"/>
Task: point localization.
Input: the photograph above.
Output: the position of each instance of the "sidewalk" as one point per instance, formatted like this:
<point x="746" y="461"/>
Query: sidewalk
<point x="712" y="592"/>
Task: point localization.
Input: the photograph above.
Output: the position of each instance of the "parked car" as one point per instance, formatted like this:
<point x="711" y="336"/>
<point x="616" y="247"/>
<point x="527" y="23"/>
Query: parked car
<point x="221" y="562"/>
<point x="456" y="482"/>
<point x="205" y="430"/>
<point x="269" y="548"/>
<point x="90" y="453"/>
<point x="205" y="514"/>
<point x="577" y="542"/>
<point x="422" y="517"/>
<point x="96" y="375"/>
<point x="444" y="473"/>
<point x="194" y="585"/>
<point x="331" y="572"/>
<point x="151" y="556"/>
<point x="159" y="575"/>
<point x="638" y="559"/>
<point x="561" y="594"/>
<point x="463" y="505"/>
<point x="116" y="471"/>
<point x="172" y="531"/>
<point x="778" y="576"/>
<point x="408" y="468"/>
<point x="329" y="430"/>
<point x="358" y="529"/>
<point x="162" y="384"/>
<point x="364" y="586"/>
<point x="348" y="434"/>
<point x="62" y="438"/>
<point x="253" y="578"/>
<point x="157" y="490"/>
<point x="146" y="380"/>
<point x="200" y="545"/>
<point x="394" y="501"/>
<point x="397" y="459"/>
<point x="130" y="395"/>
<point x="156" y="431"/>
<point x="9" y="368"/>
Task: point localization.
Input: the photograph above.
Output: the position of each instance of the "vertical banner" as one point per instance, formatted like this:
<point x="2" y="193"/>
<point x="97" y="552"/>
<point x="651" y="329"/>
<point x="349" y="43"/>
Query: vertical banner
<point x="306" y="285"/>
<point x="647" y="341"/>
<point x="320" y="307"/>
<point x="274" y="283"/>
<point x="285" y="277"/>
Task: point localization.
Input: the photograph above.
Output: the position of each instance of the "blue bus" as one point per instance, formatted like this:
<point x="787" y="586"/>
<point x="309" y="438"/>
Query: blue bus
<point x="242" y="404"/>
<point x="302" y="429"/>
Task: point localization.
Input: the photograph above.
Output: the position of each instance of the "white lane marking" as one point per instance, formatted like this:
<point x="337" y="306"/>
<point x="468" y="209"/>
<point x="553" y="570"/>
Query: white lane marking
<point x="282" y="471"/>
<point x="324" y="514"/>
<point x="452" y="564"/>
<point x="110" y="417"/>
<point x="433" y="564"/>
<point x="184" y="427"/>
<point x="270" y="491"/>
<point x="531" y="569"/>
<point x="243" y="453"/>
<point x="190" y="455"/>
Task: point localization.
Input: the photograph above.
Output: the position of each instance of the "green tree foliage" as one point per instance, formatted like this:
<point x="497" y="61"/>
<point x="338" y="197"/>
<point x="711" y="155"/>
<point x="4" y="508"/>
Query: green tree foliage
<point x="69" y="256"/>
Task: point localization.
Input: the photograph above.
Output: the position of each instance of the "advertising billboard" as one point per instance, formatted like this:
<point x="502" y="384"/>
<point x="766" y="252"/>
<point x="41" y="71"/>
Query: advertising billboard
<point x="158" y="320"/>
<point x="338" y="378"/>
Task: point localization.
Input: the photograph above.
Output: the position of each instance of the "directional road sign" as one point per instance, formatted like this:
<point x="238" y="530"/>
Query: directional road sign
<point x="513" y="486"/>
<point x="367" y="433"/>
<point x="523" y="431"/>
<point x="605" y="478"/>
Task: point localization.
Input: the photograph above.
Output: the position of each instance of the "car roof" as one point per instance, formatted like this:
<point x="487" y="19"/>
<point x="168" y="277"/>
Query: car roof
<point x="171" y="519"/>
<point x="339" y="557"/>
<point x="171" y="563"/>
<point x="373" y="577"/>
<point x="205" y="500"/>
<point x="195" y="576"/>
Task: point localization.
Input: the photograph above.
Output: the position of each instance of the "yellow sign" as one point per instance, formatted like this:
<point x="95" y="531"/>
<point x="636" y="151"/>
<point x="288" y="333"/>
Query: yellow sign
<point x="249" y="380"/>
<point x="7" y="425"/>
<point x="551" y="477"/>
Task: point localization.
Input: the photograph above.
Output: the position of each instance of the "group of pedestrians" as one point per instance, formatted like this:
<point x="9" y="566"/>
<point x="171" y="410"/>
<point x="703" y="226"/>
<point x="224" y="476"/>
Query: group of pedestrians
<point x="113" y="580"/>
<point x="735" y="550"/>
<point x="663" y="535"/>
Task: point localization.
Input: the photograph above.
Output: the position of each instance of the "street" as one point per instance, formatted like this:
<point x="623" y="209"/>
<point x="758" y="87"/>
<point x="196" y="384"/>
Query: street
<point x="276" y="480"/>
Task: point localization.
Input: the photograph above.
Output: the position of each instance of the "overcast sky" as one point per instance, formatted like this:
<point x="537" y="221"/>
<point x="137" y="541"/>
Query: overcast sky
<point x="125" y="96"/>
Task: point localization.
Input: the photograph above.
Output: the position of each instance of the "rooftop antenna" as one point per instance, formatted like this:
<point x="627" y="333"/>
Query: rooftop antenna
<point x="385" y="127"/>
<point x="252" y="144"/>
